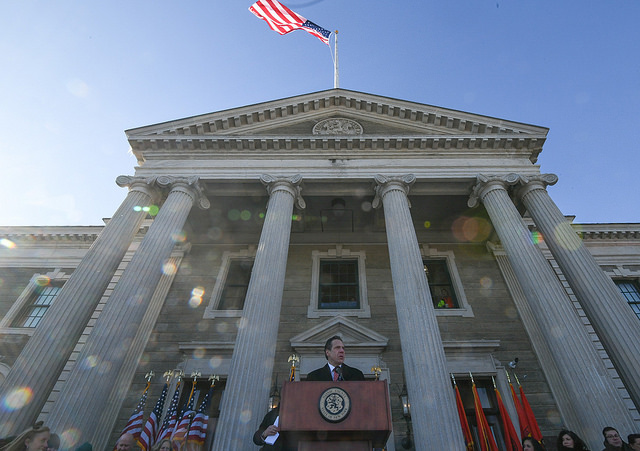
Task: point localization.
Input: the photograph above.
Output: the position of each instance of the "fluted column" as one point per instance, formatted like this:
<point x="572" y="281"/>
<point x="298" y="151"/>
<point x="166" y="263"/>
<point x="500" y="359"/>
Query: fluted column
<point x="59" y="330"/>
<point x="87" y="402"/>
<point x="585" y="377"/>
<point x="436" y="425"/>
<point x="247" y="390"/>
<point x="608" y="311"/>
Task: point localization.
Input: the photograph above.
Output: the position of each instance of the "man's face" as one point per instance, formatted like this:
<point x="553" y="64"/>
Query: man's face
<point x="635" y="444"/>
<point x="613" y="438"/>
<point x="335" y="356"/>
<point x="125" y="443"/>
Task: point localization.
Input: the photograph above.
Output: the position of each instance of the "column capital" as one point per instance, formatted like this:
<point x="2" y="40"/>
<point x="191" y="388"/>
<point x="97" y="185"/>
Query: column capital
<point x="145" y="185"/>
<point x="384" y="184"/>
<point x="529" y="183"/>
<point x="293" y="185"/>
<point x="487" y="183"/>
<point x="188" y="185"/>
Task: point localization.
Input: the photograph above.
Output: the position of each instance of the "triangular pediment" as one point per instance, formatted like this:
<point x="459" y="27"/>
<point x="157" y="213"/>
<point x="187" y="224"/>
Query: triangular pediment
<point x="353" y="118"/>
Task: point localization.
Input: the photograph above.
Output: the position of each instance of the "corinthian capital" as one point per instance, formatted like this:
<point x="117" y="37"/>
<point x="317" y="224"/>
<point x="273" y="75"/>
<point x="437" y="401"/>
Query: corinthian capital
<point x="485" y="183"/>
<point x="384" y="184"/>
<point x="189" y="185"/>
<point x="291" y="184"/>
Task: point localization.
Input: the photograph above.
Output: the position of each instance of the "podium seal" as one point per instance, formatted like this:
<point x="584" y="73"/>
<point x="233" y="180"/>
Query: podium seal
<point x="334" y="404"/>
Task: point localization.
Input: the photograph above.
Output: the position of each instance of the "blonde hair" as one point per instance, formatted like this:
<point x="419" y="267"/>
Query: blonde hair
<point x="158" y="445"/>
<point x="17" y="444"/>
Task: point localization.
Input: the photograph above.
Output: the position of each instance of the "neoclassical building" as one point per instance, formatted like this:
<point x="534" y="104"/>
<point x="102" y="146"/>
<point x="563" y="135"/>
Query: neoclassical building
<point x="426" y="237"/>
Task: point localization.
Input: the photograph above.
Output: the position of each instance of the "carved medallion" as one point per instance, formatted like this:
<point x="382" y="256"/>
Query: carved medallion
<point x="337" y="126"/>
<point x="334" y="404"/>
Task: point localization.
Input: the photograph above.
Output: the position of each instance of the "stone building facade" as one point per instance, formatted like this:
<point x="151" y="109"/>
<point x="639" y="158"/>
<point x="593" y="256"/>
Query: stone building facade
<point x="252" y="234"/>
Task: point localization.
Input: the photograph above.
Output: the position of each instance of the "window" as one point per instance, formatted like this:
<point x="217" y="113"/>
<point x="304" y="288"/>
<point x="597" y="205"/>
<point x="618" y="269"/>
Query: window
<point x="230" y="290"/>
<point x="442" y="292"/>
<point x="445" y="284"/>
<point x="41" y="300"/>
<point x="338" y="284"/>
<point x="236" y="284"/>
<point x="32" y="304"/>
<point x="631" y="291"/>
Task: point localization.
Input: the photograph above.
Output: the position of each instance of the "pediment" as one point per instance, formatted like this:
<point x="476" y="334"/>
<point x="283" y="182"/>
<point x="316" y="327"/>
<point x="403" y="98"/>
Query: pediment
<point x="357" y="119"/>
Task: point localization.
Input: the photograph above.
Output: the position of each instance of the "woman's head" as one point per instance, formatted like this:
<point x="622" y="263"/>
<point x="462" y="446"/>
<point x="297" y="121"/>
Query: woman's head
<point x="33" y="439"/>
<point x="611" y="437"/>
<point x="163" y="445"/>
<point x="570" y="440"/>
<point x="530" y="444"/>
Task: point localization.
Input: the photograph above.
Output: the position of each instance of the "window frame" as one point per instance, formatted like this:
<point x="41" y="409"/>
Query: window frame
<point x="338" y="253"/>
<point x="213" y="309"/>
<point x="463" y="309"/>
<point x="634" y="305"/>
<point x="26" y="299"/>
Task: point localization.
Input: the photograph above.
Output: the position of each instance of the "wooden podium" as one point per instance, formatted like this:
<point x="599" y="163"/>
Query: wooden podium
<point x="316" y="416"/>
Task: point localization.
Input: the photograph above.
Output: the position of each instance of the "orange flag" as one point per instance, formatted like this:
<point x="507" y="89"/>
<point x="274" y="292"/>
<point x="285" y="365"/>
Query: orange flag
<point x="510" y="437"/>
<point x="533" y="424"/>
<point x="466" y="431"/>
<point x="487" y="442"/>
<point x="525" y="430"/>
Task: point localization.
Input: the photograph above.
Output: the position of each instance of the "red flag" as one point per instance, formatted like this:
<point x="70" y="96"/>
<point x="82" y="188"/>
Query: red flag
<point x="134" y="425"/>
<point x="466" y="431"/>
<point x="525" y="429"/>
<point x="487" y="442"/>
<point x="533" y="424"/>
<point x="282" y="20"/>
<point x="510" y="437"/>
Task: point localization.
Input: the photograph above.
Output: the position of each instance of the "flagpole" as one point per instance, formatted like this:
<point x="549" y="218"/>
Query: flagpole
<point x="336" y="78"/>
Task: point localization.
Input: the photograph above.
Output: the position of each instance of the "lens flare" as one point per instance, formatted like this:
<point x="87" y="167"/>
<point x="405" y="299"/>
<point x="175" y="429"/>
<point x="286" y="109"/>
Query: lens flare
<point x="215" y="362"/>
<point x="43" y="281"/>
<point x="245" y="416"/>
<point x="153" y="210"/>
<point x="536" y="237"/>
<point x="233" y="215"/>
<point x="91" y="361"/>
<point x="7" y="243"/>
<point x="18" y="398"/>
<point x="471" y="229"/>
<point x="427" y="224"/>
<point x="179" y="237"/>
<point x="169" y="269"/>
<point x="198" y="353"/>
<point x="70" y="437"/>
<point x="245" y="215"/>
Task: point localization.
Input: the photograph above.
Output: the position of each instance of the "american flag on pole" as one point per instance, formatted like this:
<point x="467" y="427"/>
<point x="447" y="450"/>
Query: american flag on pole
<point x="282" y="20"/>
<point x="134" y="425"/>
<point x="171" y="419"/>
<point x="198" y="430"/>
<point x="180" y="432"/>
<point x="150" y="430"/>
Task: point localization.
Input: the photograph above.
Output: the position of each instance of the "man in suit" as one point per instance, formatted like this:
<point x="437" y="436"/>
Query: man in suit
<point x="335" y="369"/>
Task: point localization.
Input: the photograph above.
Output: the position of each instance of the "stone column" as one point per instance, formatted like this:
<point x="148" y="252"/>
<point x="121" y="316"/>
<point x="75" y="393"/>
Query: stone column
<point x="609" y="313"/>
<point x="89" y="400"/>
<point x="47" y="351"/>
<point x="247" y="390"/>
<point x="436" y="425"/>
<point x="593" y="393"/>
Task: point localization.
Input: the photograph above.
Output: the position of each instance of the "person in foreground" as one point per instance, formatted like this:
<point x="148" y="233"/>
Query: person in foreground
<point x="634" y="441"/>
<point x="570" y="440"/>
<point x="267" y="429"/>
<point x="613" y="441"/>
<point x="335" y="369"/>
<point x="531" y="444"/>
<point x="162" y="445"/>
<point x="126" y="442"/>
<point x="33" y="439"/>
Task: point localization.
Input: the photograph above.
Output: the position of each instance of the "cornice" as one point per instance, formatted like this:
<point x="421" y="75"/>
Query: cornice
<point x="46" y="234"/>
<point x="608" y="231"/>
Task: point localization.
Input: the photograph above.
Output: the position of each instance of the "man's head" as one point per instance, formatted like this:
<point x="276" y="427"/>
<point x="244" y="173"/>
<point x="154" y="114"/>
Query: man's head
<point x="634" y="441"/>
<point x="334" y="350"/>
<point x="125" y="442"/>
<point x="611" y="436"/>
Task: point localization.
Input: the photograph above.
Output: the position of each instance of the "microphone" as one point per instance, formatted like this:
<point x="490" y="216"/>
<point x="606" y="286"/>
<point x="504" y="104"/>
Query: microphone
<point x="338" y="370"/>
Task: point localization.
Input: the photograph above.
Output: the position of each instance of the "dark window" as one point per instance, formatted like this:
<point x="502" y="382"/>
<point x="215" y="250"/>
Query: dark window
<point x="631" y="292"/>
<point x="440" y="284"/>
<point x="487" y="396"/>
<point x="235" y="287"/>
<point x="339" y="285"/>
<point x="38" y="304"/>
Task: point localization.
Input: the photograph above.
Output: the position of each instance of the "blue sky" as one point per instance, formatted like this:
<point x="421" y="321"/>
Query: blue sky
<point x="75" y="75"/>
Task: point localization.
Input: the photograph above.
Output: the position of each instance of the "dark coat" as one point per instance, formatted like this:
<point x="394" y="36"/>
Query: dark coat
<point x="324" y="374"/>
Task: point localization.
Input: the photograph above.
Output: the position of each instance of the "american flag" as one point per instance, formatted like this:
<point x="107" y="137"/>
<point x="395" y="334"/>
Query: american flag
<point x="134" y="425"/>
<point x="282" y="20"/>
<point x="172" y="416"/>
<point x="148" y="435"/>
<point x="198" y="430"/>
<point x="180" y="432"/>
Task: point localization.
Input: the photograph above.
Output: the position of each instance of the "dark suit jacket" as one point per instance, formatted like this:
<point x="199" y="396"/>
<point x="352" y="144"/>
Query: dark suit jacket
<point x="267" y="421"/>
<point x="324" y="374"/>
